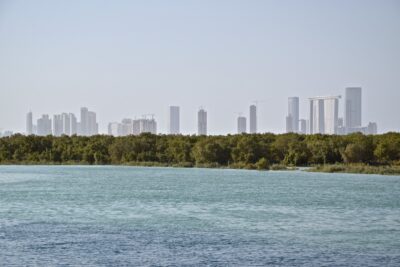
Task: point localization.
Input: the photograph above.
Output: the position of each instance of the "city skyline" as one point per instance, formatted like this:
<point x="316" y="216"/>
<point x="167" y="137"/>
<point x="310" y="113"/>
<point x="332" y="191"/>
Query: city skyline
<point x="223" y="55"/>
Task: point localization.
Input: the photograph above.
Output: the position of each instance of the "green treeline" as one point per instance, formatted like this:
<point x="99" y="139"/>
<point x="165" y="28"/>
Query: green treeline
<point x="256" y="151"/>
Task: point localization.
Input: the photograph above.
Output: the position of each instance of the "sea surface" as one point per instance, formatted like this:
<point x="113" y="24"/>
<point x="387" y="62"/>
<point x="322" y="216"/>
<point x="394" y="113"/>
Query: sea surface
<point x="129" y="216"/>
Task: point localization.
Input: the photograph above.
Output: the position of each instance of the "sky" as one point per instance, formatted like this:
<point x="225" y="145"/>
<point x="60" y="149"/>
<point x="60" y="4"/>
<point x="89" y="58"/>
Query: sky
<point x="124" y="59"/>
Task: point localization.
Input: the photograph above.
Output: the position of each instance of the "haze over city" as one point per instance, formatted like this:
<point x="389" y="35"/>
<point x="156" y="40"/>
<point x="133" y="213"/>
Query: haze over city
<point x="126" y="59"/>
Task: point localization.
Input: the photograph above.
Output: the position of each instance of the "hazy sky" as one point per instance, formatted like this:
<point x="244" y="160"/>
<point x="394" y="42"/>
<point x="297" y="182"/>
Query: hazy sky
<point x="128" y="58"/>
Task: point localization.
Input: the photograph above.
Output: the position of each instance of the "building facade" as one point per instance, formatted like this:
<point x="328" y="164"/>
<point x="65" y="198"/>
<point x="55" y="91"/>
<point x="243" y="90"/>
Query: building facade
<point x="253" y="119"/>
<point x="174" y="120"/>
<point x="241" y="125"/>
<point x="202" y="122"/>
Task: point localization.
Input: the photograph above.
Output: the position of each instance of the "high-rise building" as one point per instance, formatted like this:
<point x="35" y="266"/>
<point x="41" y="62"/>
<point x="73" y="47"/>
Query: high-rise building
<point x="253" y="119"/>
<point x="126" y="127"/>
<point x="324" y="113"/>
<point x="29" y="123"/>
<point x="352" y="107"/>
<point x="92" y="125"/>
<point x="57" y="125"/>
<point x="292" y="119"/>
<point x="115" y="129"/>
<point x="202" y="122"/>
<point x="84" y="123"/>
<point x="73" y="127"/>
<point x="148" y="126"/>
<point x="174" y="120"/>
<point x="66" y="124"/>
<point x="44" y="125"/>
<point x="241" y="125"/>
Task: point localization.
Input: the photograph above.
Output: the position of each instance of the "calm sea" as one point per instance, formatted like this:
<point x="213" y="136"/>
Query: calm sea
<point x="127" y="216"/>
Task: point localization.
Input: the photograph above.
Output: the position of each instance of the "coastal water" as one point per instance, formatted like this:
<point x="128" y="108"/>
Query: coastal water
<point x="127" y="216"/>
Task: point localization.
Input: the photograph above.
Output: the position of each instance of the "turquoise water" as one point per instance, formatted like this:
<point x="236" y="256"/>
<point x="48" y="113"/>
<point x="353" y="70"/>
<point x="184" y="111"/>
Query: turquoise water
<point x="113" y="216"/>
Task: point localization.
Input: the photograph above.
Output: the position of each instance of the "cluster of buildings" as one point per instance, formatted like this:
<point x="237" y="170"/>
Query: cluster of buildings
<point x="133" y="127"/>
<point x="147" y="125"/>
<point x="242" y="121"/>
<point x="323" y="119"/>
<point x="63" y="124"/>
<point x="324" y="115"/>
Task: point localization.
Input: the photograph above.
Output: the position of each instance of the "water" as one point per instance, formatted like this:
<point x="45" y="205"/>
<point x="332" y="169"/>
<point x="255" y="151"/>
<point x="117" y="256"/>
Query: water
<point x="130" y="216"/>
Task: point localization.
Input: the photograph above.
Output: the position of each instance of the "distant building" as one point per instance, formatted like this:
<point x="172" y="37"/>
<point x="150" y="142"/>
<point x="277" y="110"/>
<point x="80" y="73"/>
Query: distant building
<point x="66" y="124"/>
<point x="44" y="125"/>
<point x="292" y="119"/>
<point x="126" y="127"/>
<point x="115" y="129"/>
<point x="202" y="122"/>
<point x="372" y="128"/>
<point x="324" y="114"/>
<point x="303" y="126"/>
<point x="29" y="123"/>
<point x="174" y="120"/>
<point x="73" y="124"/>
<point x="353" y="107"/>
<point x="84" y="124"/>
<point x="241" y="125"/>
<point x="253" y="119"/>
<point x="148" y="126"/>
<point x="92" y="126"/>
<point x="57" y="125"/>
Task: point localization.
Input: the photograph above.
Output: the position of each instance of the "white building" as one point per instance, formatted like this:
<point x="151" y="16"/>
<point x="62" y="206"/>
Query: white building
<point x="29" y="123"/>
<point x="241" y="125"/>
<point x="253" y="119"/>
<point x="292" y="119"/>
<point x="324" y="114"/>
<point x="115" y="129"/>
<point x="44" y="125"/>
<point x="57" y="125"/>
<point x="353" y="107"/>
<point x="202" y="122"/>
<point x="73" y="126"/>
<point x="174" y="120"/>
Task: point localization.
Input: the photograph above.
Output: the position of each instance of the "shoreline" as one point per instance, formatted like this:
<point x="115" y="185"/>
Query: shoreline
<point x="387" y="170"/>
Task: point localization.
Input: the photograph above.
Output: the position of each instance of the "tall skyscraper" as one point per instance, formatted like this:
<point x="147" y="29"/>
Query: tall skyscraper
<point x="174" y="120"/>
<point x="92" y="126"/>
<point x="352" y="107"/>
<point x="202" y="122"/>
<point x="66" y="124"/>
<point x="148" y="126"/>
<point x="84" y="122"/>
<point x="324" y="114"/>
<point x="44" y="125"/>
<point x="73" y="124"/>
<point x="253" y="119"/>
<point x="57" y="125"/>
<point x="29" y="123"/>
<point x="241" y="125"/>
<point x="292" y="119"/>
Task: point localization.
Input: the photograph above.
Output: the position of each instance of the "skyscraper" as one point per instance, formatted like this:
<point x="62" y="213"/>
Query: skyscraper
<point x="73" y="124"/>
<point x="44" y="125"/>
<point x="324" y="114"/>
<point x="241" y="125"/>
<point x="29" y="123"/>
<point x="292" y="119"/>
<point x="92" y="126"/>
<point x="84" y="122"/>
<point x="253" y="119"/>
<point x="66" y="124"/>
<point x="57" y="125"/>
<point x="352" y="107"/>
<point x="202" y="122"/>
<point x="174" y="120"/>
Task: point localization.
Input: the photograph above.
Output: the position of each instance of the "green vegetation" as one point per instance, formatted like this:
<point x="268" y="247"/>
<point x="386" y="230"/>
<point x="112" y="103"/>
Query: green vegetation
<point x="256" y="151"/>
<point x="357" y="168"/>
